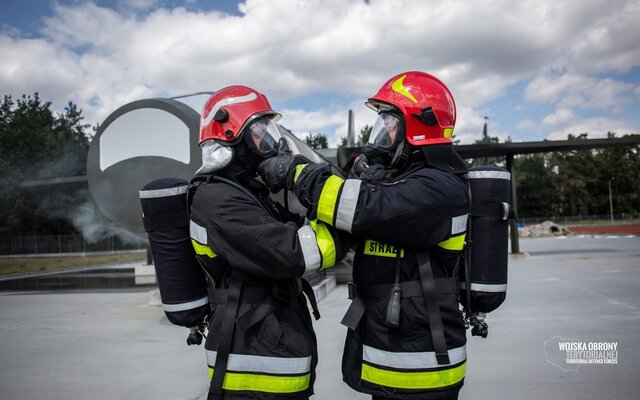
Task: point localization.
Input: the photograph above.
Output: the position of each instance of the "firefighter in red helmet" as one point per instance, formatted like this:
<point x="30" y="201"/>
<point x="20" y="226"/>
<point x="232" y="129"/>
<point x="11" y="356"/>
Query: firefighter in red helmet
<point x="261" y="343"/>
<point x="406" y="206"/>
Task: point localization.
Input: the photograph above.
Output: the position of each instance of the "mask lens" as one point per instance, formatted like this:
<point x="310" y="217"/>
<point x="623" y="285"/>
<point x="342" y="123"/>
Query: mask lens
<point x="386" y="132"/>
<point x="263" y="136"/>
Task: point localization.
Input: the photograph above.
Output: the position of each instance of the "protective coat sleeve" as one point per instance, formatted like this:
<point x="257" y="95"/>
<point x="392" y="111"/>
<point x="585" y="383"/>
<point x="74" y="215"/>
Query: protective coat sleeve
<point x="423" y="207"/>
<point x="249" y="238"/>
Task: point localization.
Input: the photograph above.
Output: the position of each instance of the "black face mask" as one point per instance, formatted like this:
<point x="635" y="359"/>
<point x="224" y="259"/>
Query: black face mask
<point x="375" y="155"/>
<point x="247" y="159"/>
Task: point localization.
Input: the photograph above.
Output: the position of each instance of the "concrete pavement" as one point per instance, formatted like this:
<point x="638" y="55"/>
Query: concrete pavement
<point x="113" y="345"/>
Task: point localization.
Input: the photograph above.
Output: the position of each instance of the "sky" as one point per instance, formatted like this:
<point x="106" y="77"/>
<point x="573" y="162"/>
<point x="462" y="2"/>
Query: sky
<point x="538" y="69"/>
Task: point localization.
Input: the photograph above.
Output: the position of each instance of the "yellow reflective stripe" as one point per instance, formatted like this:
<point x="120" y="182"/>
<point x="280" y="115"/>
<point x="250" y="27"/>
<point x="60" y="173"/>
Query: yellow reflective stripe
<point x="299" y="169"/>
<point x="373" y="248"/>
<point x="325" y="244"/>
<point x="264" y="383"/>
<point x="453" y="243"/>
<point x="413" y="380"/>
<point x="398" y="87"/>
<point x="448" y="132"/>
<point x="329" y="198"/>
<point x="202" y="249"/>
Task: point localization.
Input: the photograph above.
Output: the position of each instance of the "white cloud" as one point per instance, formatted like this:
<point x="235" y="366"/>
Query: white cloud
<point x="36" y="65"/>
<point x="102" y="58"/>
<point x="561" y="116"/>
<point x="302" y="121"/>
<point x="470" y="126"/>
<point x="575" y="90"/>
<point x="595" y="127"/>
<point x="607" y="39"/>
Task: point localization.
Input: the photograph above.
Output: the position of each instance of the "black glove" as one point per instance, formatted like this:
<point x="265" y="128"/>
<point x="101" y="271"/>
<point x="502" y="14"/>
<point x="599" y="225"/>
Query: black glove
<point x="277" y="172"/>
<point x="363" y="170"/>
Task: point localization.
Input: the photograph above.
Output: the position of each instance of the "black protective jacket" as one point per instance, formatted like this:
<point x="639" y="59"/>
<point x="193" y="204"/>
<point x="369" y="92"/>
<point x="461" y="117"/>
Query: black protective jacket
<point x="406" y="337"/>
<point x="261" y="343"/>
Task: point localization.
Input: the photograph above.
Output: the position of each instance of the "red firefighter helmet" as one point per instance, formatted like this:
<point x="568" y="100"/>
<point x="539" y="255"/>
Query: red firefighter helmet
<point x="229" y="110"/>
<point x="425" y="102"/>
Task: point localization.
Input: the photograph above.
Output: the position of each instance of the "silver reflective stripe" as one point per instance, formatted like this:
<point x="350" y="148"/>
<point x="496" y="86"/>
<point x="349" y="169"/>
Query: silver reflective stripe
<point x="269" y="365"/>
<point x="459" y="224"/>
<point x="186" y="306"/>
<point x="347" y="204"/>
<point x="489" y="175"/>
<point x="484" y="287"/>
<point x="225" y="102"/>
<point x="410" y="360"/>
<point x="197" y="232"/>
<point x="174" y="191"/>
<point x="310" y="250"/>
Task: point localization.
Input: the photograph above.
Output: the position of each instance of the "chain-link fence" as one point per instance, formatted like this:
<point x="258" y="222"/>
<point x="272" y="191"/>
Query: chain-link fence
<point x="66" y="244"/>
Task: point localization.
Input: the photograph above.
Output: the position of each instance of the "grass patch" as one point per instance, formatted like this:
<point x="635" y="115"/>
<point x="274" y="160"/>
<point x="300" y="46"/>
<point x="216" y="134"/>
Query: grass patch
<point x="25" y="265"/>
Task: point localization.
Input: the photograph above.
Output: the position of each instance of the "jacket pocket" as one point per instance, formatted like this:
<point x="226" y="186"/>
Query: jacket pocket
<point x="271" y="333"/>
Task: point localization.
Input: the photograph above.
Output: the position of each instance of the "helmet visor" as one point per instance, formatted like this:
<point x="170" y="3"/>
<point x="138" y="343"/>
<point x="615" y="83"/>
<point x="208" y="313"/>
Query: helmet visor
<point x="263" y="136"/>
<point x="387" y="132"/>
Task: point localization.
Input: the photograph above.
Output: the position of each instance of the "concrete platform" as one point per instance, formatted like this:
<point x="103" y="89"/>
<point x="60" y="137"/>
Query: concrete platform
<point x="113" y="345"/>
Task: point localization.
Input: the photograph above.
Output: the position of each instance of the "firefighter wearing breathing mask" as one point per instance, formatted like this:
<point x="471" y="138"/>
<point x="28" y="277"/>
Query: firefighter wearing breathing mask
<point x="406" y="205"/>
<point x="261" y="343"/>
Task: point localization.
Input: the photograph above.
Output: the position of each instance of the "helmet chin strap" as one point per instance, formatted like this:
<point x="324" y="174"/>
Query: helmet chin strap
<point x="400" y="157"/>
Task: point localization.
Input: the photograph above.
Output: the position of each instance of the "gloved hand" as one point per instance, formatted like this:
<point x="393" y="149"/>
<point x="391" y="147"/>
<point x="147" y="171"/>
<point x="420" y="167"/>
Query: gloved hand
<point x="277" y="172"/>
<point x="363" y="170"/>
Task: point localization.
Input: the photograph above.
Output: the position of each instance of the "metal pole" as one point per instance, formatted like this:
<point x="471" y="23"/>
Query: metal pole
<point x="515" y="244"/>
<point x="351" y="131"/>
<point x="610" y="202"/>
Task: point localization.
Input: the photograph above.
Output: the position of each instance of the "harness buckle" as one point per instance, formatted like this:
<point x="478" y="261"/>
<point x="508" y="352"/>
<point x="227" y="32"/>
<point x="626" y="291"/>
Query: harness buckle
<point x="298" y="286"/>
<point x="443" y="358"/>
<point x="351" y="287"/>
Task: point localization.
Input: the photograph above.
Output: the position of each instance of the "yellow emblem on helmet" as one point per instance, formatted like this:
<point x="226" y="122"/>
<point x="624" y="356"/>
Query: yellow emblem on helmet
<point x="399" y="88"/>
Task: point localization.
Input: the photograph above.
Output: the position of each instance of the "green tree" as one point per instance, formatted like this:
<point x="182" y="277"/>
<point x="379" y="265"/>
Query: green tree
<point x="577" y="181"/>
<point x="363" y="138"/>
<point x="535" y="186"/>
<point x="365" y="133"/>
<point x="36" y="143"/>
<point x="488" y="141"/>
<point x="317" y="141"/>
<point x="619" y="167"/>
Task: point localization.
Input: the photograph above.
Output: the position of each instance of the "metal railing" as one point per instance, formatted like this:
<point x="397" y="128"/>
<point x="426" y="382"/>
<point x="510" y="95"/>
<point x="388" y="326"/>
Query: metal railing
<point x="582" y="219"/>
<point x="66" y="244"/>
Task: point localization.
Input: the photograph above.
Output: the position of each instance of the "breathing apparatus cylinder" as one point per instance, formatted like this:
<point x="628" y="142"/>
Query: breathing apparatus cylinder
<point x="181" y="280"/>
<point x="488" y="255"/>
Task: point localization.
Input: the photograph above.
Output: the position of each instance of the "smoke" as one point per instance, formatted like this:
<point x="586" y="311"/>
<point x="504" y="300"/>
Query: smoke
<point x="91" y="223"/>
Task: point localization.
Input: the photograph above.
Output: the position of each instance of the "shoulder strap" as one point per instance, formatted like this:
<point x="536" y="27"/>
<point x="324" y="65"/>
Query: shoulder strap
<point x="191" y="190"/>
<point x="466" y="253"/>
<point x="229" y="313"/>
<point x="433" y="308"/>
